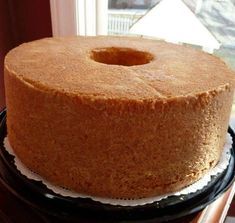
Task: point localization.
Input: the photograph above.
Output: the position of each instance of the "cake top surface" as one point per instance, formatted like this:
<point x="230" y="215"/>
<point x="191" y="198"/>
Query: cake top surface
<point x="117" y="67"/>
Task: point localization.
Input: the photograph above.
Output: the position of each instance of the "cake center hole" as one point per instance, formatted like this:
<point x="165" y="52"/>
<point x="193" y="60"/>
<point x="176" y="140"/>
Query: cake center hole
<point x="121" y="56"/>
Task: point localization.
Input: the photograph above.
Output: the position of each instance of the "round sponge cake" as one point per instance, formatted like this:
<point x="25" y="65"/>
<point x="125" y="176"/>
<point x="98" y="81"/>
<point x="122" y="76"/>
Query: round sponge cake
<point x="117" y="117"/>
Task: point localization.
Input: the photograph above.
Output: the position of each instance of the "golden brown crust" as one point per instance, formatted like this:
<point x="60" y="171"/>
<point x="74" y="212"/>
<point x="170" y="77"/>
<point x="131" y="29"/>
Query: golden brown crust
<point x="175" y="70"/>
<point x="116" y="131"/>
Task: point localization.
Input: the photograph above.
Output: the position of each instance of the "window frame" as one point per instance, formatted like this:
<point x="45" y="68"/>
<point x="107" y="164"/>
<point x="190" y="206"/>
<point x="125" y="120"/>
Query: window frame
<point x="79" y="17"/>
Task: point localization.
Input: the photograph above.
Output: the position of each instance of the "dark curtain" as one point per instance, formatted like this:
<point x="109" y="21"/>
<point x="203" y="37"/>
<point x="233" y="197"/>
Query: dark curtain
<point x="21" y="21"/>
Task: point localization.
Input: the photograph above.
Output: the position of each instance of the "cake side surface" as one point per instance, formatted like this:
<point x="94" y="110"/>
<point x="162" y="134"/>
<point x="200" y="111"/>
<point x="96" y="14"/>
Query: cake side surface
<point x="118" y="142"/>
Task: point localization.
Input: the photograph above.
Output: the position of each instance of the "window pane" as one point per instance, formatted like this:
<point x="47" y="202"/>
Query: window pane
<point x="122" y="14"/>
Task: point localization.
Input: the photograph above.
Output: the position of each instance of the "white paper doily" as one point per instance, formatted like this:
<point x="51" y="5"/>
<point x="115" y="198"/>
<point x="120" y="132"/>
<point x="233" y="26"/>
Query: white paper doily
<point x="219" y="168"/>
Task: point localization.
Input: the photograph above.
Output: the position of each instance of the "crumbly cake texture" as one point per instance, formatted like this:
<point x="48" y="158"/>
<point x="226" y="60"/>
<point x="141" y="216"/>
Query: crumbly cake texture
<point x="117" y="117"/>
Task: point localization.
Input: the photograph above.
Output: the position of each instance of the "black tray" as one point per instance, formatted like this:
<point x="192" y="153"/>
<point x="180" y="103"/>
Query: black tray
<point x="36" y="195"/>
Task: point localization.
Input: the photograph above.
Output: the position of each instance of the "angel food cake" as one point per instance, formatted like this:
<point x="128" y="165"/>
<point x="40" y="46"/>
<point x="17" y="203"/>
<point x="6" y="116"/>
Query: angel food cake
<point x="117" y="117"/>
